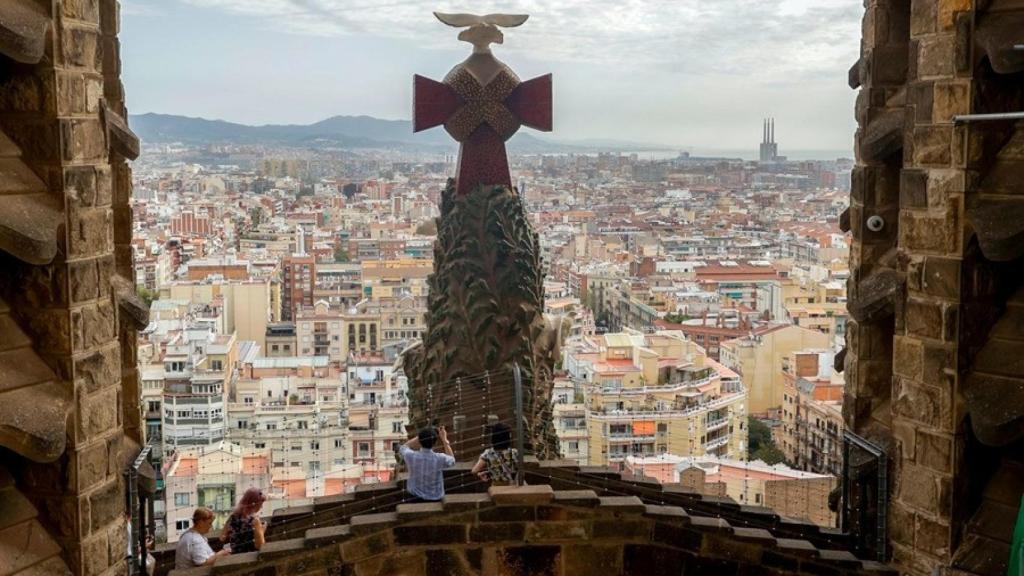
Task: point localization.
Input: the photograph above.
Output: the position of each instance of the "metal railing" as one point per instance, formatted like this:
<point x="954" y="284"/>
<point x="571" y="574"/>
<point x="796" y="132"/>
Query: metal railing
<point x="865" y="504"/>
<point x="139" y="510"/>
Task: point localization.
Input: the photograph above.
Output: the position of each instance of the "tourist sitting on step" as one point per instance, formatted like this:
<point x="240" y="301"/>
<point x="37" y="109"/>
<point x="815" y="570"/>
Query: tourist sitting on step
<point x="499" y="464"/>
<point x="426" y="467"/>
<point x="244" y="528"/>
<point x="193" y="549"/>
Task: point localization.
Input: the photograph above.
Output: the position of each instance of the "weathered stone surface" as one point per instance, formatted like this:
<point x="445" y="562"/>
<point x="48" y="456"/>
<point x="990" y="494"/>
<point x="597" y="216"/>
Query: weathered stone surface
<point x="129" y="301"/>
<point x="997" y="34"/>
<point x="930" y="405"/>
<point x="999" y="225"/>
<point x="913" y="189"/>
<point x="951" y="99"/>
<point x="28" y="226"/>
<point x="876" y="296"/>
<point x="121" y="137"/>
<point x="23" y="26"/>
<point x="521" y="495"/>
<point x="883" y="136"/>
<point x="933" y="145"/>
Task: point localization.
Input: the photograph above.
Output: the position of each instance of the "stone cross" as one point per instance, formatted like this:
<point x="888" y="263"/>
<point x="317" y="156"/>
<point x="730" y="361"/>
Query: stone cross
<point x="482" y="102"/>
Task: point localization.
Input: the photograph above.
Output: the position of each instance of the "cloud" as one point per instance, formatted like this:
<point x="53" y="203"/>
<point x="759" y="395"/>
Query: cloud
<point x="139" y="8"/>
<point x="768" y="41"/>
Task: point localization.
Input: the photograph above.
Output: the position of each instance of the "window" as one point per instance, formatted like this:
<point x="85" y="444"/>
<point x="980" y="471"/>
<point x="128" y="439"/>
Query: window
<point x="182" y="525"/>
<point x="247" y="400"/>
<point x="243" y="424"/>
<point x="182" y="499"/>
<point x="217" y="365"/>
<point x="271" y="426"/>
<point x="303" y="425"/>
<point x="397" y="427"/>
<point x="662" y="427"/>
<point x="757" y="498"/>
<point x="260" y="445"/>
<point x="337" y="443"/>
<point x="296" y="447"/>
<point x="314" y="445"/>
<point x="274" y="348"/>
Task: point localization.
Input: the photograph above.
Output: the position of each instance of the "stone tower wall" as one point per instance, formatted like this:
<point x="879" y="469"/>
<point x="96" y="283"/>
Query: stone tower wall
<point x="923" y="293"/>
<point x="66" y="114"/>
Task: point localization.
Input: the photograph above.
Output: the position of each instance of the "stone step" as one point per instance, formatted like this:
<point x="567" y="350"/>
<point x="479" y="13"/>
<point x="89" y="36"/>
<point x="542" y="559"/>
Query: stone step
<point x="11" y="335"/>
<point x="22" y="367"/>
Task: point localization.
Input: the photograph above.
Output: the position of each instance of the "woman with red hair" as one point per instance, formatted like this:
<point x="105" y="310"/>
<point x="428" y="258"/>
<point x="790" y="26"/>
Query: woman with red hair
<point x="244" y="528"/>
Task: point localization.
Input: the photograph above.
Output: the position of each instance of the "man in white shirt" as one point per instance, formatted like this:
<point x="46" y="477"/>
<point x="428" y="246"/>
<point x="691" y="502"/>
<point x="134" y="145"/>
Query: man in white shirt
<point x="426" y="467"/>
<point x="193" y="548"/>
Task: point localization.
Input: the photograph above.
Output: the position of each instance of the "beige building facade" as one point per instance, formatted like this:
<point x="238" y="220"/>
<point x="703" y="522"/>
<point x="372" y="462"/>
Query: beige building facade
<point x="759" y="361"/>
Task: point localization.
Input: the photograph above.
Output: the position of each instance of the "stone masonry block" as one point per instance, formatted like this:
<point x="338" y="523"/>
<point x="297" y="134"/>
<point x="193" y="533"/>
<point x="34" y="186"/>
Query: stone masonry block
<point x="107" y="505"/>
<point x="80" y="47"/>
<point x="908" y="357"/>
<point x="83" y="140"/>
<point x="430" y="535"/>
<point x="589" y="560"/>
<point x="935" y="451"/>
<point x="85" y="10"/>
<point x="924" y="318"/>
<point x="70" y="93"/>
<point x="935" y="56"/>
<point x="80" y="186"/>
<point x="951" y="98"/>
<point x="923" y="489"/>
<point x="933" y="145"/>
<point x="95" y="558"/>
<point x="923" y="17"/>
<point x="932" y="536"/>
<point x="110" y="17"/>
<point x="941" y="277"/>
<point x="947" y="11"/>
<point x="93" y="325"/>
<point x="97" y="413"/>
<point x="83" y="280"/>
<point x="91" y="233"/>
<point x="22" y="93"/>
<point x="358" y="549"/>
<point x="928" y="405"/>
<point x="90" y="466"/>
<point x="521" y="495"/>
<point x="913" y="189"/>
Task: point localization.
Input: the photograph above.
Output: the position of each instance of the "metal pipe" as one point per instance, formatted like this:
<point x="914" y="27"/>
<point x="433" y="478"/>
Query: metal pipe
<point x="965" y="118"/>
<point x="517" y="373"/>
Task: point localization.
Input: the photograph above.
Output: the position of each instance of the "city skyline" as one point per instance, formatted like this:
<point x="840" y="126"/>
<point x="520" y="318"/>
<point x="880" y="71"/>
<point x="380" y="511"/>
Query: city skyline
<point x="650" y="73"/>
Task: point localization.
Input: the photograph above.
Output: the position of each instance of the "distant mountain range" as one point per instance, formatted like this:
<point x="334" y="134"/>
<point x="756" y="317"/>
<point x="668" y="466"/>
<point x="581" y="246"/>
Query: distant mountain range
<point x="341" y="131"/>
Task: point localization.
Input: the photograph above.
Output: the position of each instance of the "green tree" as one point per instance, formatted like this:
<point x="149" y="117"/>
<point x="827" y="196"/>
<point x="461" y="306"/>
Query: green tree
<point x="762" y="447"/>
<point x="769" y="455"/>
<point x="341" y="254"/>
<point x="147" y="295"/>
<point x="428" y="228"/>
<point x="676" y="318"/>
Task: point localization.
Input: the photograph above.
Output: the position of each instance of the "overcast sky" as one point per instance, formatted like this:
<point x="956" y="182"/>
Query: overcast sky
<point x="675" y="72"/>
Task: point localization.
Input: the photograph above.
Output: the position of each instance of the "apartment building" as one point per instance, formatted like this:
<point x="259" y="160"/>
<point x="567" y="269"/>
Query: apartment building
<point x="812" y="412"/>
<point x="759" y="359"/>
<point x="649" y="394"/>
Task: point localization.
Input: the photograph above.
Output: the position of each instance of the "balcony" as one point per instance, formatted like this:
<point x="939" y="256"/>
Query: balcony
<point x="716" y="443"/>
<point x="629" y="437"/>
<point x="716" y="424"/>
